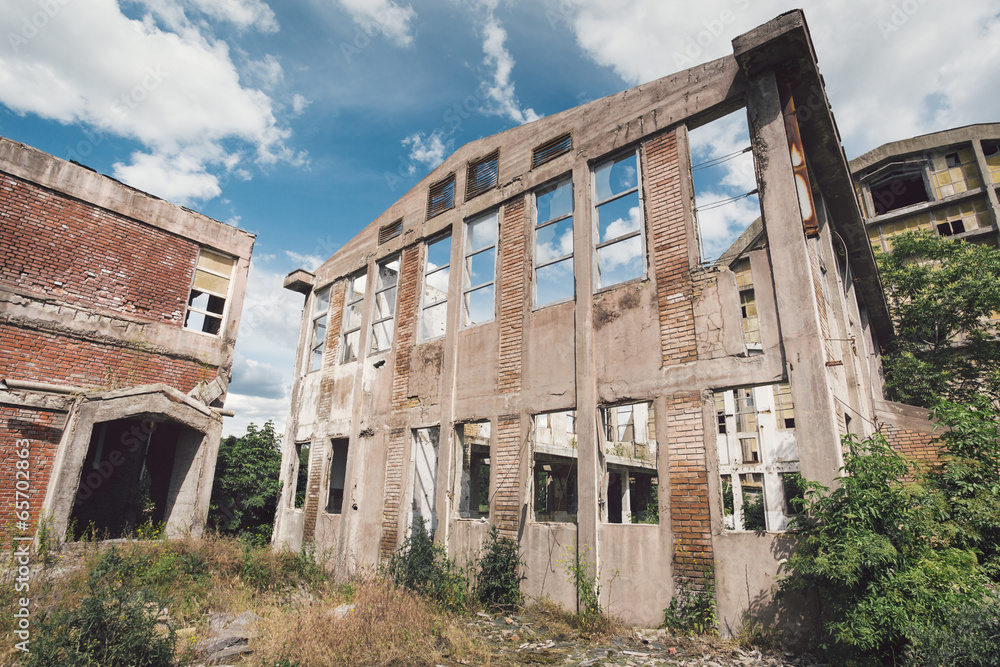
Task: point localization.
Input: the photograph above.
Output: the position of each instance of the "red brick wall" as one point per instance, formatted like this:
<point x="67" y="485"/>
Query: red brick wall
<point x="316" y="451"/>
<point x="674" y="289"/>
<point x="45" y="357"/>
<point x="512" y="293"/>
<point x="331" y="349"/>
<point x="393" y="490"/>
<point x="508" y="474"/>
<point x="85" y="255"/>
<point x="43" y="429"/>
<point x="689" y="504"/>
<point x="919" y="447"/>
<point x="406" y="323"/>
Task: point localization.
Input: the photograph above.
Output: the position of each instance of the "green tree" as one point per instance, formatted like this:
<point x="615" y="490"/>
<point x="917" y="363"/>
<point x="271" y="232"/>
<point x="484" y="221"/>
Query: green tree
<point x="246" y="489"/>
<point x="941" y="296"/>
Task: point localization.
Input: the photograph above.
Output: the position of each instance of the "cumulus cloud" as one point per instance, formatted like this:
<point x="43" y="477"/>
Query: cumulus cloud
<point x="426" y="150"/>
<point x="500" y="89"/>
<point x="307" y="262"/>
<point x="392" y="20"/>
<point x="161" y="81"/>
<point x="256" y="409"/>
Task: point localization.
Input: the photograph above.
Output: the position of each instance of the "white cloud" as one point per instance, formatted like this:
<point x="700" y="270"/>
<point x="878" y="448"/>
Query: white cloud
<point x="307" y="262"/>
<point x="427" y="150"/>
<point x="720" y="226"/>
<point x="500" y="91"/>
<point x="299" y="104"/>
<point x="254" y="409"/>
<point x="384" y="16"/>
<point x="241" y="13"/>
<point x="265" y="379"/>
<point x="268" y="72"/>
<point x="177" y="92"/>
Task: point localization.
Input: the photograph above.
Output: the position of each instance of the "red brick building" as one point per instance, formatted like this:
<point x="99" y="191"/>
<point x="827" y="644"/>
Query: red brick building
<point x="118" y="317"/>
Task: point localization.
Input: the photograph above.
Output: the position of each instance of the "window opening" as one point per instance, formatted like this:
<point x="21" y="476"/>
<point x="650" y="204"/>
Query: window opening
<point x="321" y="304"/>
<point x="390" y="231"/>
<point x="338" y="476"/>
<point x="383" y="322"/>
<point x="631" y="455"/>
<point x="301" y="474"/>
<point x="425" y="455"/>
<point x="725" y="183"/>
<point x="434" y="310"/>
<point x="551" y="149"/>
<point x="483" y="175"/>
<point x="479" y="270"/>
<point x="555" y="467"/>
<point x="554" y="243"/>
<point x="618" y="221"/>
<point x="441" y="196"/>
<point x="474" y="492"/>
<point x="900" y="187"/>
<point x="758" y="457"/>
<point x="356" y="286"/>
<point x="207" y="302"/>
<point x="748" y="305"/>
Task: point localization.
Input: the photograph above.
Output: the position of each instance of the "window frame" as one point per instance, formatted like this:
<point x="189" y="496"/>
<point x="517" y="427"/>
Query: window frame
<point x="596" y="203"/>
<point x="557" y="454"/>
<point x="345" y="317"/>
<point x="552" y="186"/>
<point x="318" y="347"/>
<point x="424" y="306"/>
<point x="375" y="320"/>
<point x="189" y="308"/>
<point x="467" y="479"/>
<point x="617" y="459"/>
<point x="467" y="254"/>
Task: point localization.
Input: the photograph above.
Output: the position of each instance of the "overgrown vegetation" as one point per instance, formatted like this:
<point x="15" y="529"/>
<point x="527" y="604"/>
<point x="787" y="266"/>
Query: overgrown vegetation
<point x="498" y="575"/>
<point x="893" y="551"/>
<point x="425" y="568"/>
<point x="692" y="609"/>
<point x="246" y="488"/>
<point x="942" y="297"/>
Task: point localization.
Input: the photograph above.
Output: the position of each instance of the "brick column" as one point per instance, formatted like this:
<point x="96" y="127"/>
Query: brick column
<point x="674" y="288"/>
<point x="316" y="456"/>
<point x="508" y="474"/>
<point x="512" y="296"/>
<point x="331" y="348"/>
<point x="393" y="491"/>
<point x="406" y="323"/>
<point x="43" y="430"/>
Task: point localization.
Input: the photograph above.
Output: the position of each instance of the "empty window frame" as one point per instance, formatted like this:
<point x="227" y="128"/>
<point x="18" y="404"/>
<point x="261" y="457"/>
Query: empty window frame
<point x="425" y="456"/>
<point x="321" y="304"/>
<point x="482" y="175"/>
<point x="899" y="186"/>
<point x="631" y="456"/>
<point x="555" y="466"/>
<point x="390" y="231"/>
<point x="338" y="476"/>
<point x="434" y="301"/>
<point x="479" y="270"/>
<point x="206" y="304"/>
<point x="748" y="305"/>
<point x="725" y="183"/>
<point x="473" y="440"/>
<point x="383" y="319"/>
<point x="758" y="457"/>
<point x="553" y="247"/>
<point x="300" y="468"/>
<point x="618" y="221"/>
<point x="441" y="196"/>
<point x="353" y="307"/>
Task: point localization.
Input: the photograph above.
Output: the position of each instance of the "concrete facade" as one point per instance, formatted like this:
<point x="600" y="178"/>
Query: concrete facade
<point x="490" y="350"/>
<point x="118" y="317"/>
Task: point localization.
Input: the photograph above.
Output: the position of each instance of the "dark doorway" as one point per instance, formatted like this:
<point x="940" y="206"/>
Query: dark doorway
<point x="125" y="480"/>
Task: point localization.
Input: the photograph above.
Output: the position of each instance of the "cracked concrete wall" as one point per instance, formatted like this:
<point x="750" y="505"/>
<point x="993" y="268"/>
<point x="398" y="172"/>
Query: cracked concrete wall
<point x="673" y="336"/>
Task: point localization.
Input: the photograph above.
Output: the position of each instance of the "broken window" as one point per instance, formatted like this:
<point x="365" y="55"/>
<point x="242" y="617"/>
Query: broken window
<point x="338" y="476"/>
<point x="899" y="186"/>
<point x="206" y="305"/>
<point x="554" y="243"/>
<point x="425" y="455"/>
<point x="321" y="304"/>
<point x="631" y="456"/>
<point x="434" y="308"/>
<point x="301" y="471"/>
<point x="758" y="457"/>
<point x="383" y="320"/>
<point x="474" y="493"/>
<point x="748" y="305"/>
<point x="555" y="459"/>
<point x="479" y="269"/>
<point x="725" y="183"/>
<point x="618" y="221"/>
<point x="353" y="305"/>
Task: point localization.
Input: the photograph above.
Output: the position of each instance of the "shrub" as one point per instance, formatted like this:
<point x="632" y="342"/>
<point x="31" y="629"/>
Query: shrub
<point x="114" y="624"/>
<point x="424" y="567"/>
<point x="498" y="581"/>
<point x="692" y="609"/>
<point x="969" y="638"/>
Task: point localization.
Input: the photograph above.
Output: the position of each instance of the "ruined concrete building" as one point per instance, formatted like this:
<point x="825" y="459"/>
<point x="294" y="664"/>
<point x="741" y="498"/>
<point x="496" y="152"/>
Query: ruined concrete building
<point x="118" y="316"/>
<point x="538" y="337"/>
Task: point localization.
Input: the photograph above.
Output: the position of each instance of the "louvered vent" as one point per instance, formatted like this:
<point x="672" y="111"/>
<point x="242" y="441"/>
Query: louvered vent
<point x="441" y="196"/>
<point x="483" y="175"/>
<point x="551" y="150"/>
<point x="390" y="231"/>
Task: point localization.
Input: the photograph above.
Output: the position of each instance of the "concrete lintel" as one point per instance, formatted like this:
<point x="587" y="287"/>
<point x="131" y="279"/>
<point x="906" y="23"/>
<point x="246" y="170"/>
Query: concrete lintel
<point x="300" y="280"/>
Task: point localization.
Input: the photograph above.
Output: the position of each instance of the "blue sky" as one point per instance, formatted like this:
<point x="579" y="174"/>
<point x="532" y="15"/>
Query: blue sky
<point x="302" y="121"/>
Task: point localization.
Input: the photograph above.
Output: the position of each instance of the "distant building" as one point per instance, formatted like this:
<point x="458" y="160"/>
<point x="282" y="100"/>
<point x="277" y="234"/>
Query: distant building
<point x="118" y="316"/>
<point x="530" y="339"/>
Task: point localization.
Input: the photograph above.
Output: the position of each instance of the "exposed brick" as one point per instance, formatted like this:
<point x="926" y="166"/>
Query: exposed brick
<point x="406" y="324"/>
<point x="512" y="296"/>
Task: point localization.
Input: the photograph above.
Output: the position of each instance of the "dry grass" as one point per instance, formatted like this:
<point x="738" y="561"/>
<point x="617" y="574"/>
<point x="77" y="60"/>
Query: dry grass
<point x="553" y="620"/>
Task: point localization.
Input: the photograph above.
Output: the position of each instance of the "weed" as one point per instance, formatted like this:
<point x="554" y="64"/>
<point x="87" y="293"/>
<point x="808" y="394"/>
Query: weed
<point x="692" y="609"/>
<point x="424" y="567"/>
<point x="498" y="581"/>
